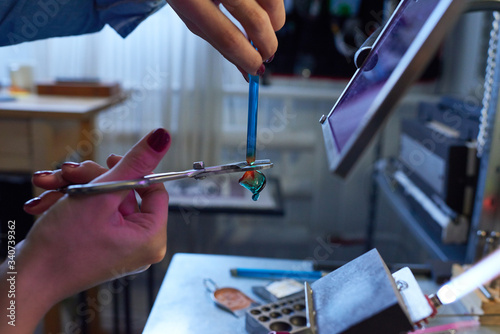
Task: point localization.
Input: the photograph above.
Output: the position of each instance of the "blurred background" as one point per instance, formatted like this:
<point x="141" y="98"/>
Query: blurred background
<point x="175" y="80"/>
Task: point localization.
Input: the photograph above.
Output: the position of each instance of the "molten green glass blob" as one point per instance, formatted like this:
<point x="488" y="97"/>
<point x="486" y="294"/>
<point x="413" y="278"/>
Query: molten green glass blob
<point x="254" y="181"/>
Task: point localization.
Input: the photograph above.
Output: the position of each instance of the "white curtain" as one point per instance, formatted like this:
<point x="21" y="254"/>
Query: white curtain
<point x="174" y="78"/>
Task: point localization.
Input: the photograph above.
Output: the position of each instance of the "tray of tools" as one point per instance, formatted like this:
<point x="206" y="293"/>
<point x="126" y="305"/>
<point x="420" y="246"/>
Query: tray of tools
<point x="288" y="314"/>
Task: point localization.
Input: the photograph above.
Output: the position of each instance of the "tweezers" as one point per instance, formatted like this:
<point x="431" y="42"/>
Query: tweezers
<point x="198" y="172"/>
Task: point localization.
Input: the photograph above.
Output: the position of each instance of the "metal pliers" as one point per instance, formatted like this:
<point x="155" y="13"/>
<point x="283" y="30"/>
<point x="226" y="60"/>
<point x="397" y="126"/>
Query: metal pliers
<point x="198" y="172"/>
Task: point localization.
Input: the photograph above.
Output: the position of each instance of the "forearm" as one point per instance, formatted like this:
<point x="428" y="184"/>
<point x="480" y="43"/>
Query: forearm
<point x="25" y="293"/>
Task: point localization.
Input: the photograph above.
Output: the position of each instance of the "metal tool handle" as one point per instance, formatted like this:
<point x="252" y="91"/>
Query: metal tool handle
<point x="104" y="187"/>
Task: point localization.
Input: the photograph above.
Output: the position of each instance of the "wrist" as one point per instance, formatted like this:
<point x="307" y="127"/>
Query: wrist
<point x="26" y="292"/>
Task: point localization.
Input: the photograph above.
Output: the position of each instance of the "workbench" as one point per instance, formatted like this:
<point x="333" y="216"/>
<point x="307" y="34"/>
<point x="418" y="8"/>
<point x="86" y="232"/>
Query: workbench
<point x="184" y="306"/>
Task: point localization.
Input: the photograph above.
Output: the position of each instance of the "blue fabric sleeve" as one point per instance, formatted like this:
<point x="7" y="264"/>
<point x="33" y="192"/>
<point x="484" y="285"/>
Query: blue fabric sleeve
<point x="27" y="20"/>
<point x="125" y="15"/>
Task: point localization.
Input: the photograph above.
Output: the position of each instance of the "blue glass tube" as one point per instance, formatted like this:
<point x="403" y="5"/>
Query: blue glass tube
<point x="253" y="105"/>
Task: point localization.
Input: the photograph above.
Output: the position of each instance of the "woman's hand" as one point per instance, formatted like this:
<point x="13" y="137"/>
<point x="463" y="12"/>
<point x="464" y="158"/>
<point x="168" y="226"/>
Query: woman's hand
<point x="259" y="18"/>
<point x="79" y="242"/>
<point x="70" y="173"/>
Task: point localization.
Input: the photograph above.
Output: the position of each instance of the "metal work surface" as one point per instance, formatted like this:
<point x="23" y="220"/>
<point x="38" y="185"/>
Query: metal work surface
<point x="184" y="306"/>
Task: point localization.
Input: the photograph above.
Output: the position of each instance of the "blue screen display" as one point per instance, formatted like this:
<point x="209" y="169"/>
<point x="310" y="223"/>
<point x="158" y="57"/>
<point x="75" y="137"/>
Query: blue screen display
<point x="351" y="110"/>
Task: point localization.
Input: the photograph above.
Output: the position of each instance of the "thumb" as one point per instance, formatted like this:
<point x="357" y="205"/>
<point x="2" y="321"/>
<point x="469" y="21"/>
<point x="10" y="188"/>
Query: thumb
<point x="142" y="158"/>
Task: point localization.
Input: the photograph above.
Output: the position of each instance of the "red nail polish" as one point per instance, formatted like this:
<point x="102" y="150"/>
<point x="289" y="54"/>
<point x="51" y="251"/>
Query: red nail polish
<point x="33" y="202"/>
<point x="43" y="173"/>
<point x="270" y="59"/>
<point x="261" y="69"/>
<point x="71" y="164"/>
<point x="159" y="140"/>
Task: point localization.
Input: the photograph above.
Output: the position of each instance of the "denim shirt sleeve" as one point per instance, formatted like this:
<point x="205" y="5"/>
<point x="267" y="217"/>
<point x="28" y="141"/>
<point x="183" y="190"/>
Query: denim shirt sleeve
<point x="125" y="15"/>
<point x="28" y="20"/>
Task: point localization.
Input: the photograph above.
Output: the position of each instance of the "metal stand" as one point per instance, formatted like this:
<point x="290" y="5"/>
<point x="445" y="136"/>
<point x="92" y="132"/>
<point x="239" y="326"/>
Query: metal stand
<point x="486" y="212"/>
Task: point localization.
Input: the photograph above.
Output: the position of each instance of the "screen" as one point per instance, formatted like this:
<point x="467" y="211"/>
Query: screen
<point x="401" y="52"/>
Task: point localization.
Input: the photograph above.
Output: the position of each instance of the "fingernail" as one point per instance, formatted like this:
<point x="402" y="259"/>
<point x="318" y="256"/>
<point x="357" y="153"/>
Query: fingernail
<point x="33" y="202"/>
<point x="270" y="59"/>
<point x="261" y="69"/>
<point x="244" y="74"/>
<point x="43" y="173"/>
<point x="71" y="164"/>
<point x="159" y="140"/>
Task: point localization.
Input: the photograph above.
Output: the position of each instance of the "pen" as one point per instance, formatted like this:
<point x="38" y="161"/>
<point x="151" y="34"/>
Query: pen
<point x="276" y="274"/>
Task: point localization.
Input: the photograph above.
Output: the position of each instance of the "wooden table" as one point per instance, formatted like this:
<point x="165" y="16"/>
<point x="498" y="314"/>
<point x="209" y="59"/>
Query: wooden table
<point x="39" y="132"/>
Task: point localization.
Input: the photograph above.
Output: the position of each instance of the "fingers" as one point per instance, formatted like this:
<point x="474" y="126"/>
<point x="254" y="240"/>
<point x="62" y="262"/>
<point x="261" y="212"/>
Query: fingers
<point x="112" y="160"/>
<point x="191" y="26"/>
<point x="48" y="179"/>
<point x="129" y="205"/>
<point x="229" y="41"/>
<point x="257" y="24"/>
<point x="38" y="205"/>
<point x="205" y="19"/>
<point x="82" y="173"/>
<point x="195" y="30"/>
<point x="260" y="19"/>
<point x="276" y="11"/>
<point x="70" y="173"/>
<point x="141" y="160"/>
<point x="153" y="198"/>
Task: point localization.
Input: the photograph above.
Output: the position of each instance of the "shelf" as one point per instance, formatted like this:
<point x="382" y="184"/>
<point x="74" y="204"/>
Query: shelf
<point x="423" y="233"/>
